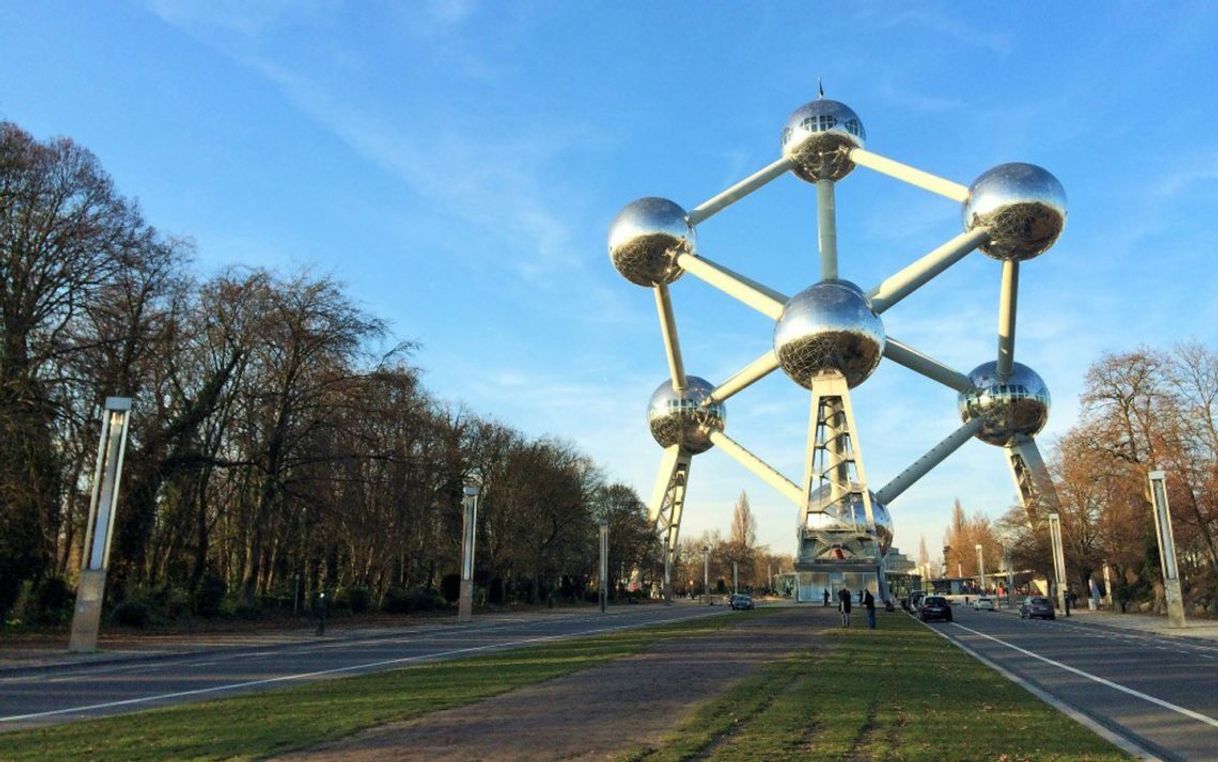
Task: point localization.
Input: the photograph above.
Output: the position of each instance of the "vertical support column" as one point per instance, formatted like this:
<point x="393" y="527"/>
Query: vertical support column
<point x="826" y="219"/>
<point x="1059" y="560"/>
<point x="1006" y="319"/>
<point x="735" y="577"/>
<point x="667" y="504"/>
<point x="1006" y="560"/>
<point x="107" y="477"/>
<point x="1167" y="548"/>
<point x="1032" y="479"/>
<point x="469" y="533"/>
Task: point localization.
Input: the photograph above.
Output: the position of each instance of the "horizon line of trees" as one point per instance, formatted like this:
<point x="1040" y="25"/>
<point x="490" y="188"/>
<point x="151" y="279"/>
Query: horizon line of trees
<point x="275" y="444"/>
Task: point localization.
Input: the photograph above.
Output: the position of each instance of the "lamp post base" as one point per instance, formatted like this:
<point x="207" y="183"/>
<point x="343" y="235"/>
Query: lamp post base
<point x="1175" y="603"/>
<point x="465" y="602"/>
<point x="87" y="617"/>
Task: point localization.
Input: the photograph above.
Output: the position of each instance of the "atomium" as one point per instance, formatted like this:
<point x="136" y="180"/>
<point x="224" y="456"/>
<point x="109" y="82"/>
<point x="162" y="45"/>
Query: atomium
<point x="830" y="337"/>
<point x="829" y="327"/>
<point x="681" y="418"/>
<point x="818" y="138"/>
<point x="1018" y="404"/>
<point x="645" y="239"/>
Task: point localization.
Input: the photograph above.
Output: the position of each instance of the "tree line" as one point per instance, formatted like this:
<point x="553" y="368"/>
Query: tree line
<point x="280" y="442"/>
<point x="1142" y="410"/>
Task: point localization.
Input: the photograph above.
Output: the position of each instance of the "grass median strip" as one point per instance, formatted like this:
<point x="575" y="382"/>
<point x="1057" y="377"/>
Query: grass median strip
<point x="294" y="718"/>
<point x="898" y="692"/>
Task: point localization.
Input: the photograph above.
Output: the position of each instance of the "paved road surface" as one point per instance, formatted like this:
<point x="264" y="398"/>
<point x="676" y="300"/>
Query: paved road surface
<point x="66" y="693"/>
<point x="1159" y="692"/>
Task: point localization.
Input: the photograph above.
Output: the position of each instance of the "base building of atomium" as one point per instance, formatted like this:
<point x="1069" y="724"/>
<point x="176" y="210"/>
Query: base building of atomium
<point x="830" y="337"/>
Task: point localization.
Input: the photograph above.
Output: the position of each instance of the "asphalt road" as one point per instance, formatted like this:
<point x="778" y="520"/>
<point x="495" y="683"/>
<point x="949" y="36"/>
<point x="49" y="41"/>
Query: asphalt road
<point x="1159" y="692"/>
<point x="64" y="693"/>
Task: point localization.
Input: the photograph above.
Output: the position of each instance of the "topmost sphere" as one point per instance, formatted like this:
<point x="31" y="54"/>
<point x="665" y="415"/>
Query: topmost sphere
<point x="645" y="239"/>
<point x="818" y="138"/>
<point x="1023" y="207"/>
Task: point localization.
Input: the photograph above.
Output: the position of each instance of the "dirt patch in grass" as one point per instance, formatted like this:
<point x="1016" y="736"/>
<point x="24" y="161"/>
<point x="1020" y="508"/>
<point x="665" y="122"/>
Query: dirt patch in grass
<point x="599" y="712"/>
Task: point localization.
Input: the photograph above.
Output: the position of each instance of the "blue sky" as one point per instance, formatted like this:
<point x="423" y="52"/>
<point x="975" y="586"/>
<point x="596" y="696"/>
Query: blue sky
<point x="457" y="165"/>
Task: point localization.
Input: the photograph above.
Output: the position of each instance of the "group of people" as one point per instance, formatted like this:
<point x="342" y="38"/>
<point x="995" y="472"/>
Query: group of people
<point x="866" y="599"/>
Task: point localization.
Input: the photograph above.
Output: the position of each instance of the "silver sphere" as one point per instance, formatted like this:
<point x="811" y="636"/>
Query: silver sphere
<point x="844" y="516"/>
<point x="829" y="327"/>
<point x="645" y="239"/>
<point x="1022" y="205"/>
<point x="1020" y="405"/>
<point x="680" y="418"/>
<point x="818" y="138"/>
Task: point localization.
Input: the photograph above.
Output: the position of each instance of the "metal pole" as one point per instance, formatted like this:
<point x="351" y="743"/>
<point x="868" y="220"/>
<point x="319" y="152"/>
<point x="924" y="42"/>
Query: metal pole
<point x="1059" y="560"/>
<point x="705" y="572"/>
<point x="1108" y="585"/>
<point x="99" y="531"/>
<point x="735" y="577"/>
<point x="604" y="571"/>
<point x="1167" y="548"/>
<point x="1006" y="559"/>
<point x="469" y="531"/>
<point x="826" y="219"/>
<point x="981" y="567"/>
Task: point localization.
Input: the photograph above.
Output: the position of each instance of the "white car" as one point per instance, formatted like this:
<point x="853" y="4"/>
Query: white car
<point x="984" y="604"/>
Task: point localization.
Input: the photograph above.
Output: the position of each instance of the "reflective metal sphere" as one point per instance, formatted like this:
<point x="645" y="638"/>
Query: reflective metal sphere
<point x="828" y="327"/>
<point x="818" y="138"/>
<point x="681" y="419"/>
<point x="1018" y="406"/>
<point x="1022" y="205"/>
<point x="846" y="518"/>
<point x="645" y="239"/>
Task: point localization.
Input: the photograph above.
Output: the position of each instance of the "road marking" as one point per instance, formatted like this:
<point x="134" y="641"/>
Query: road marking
<point x="339" y="670"/>
<point x="1116" y="686"/>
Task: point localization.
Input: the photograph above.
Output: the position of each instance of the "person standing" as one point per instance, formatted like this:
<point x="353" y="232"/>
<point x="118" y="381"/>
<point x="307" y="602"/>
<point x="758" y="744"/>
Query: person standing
<point x="843" y="605"/>
<point x="869" y="604"/>
<point x="826" y="597"/>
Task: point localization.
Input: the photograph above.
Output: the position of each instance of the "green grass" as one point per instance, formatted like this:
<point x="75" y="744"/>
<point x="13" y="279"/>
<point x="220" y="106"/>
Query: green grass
<point x="899" y="692"/>
<point x="296" y="718"/>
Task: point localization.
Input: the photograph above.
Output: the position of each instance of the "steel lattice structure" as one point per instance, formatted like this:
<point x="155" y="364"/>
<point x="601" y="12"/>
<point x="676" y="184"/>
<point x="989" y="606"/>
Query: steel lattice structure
<point x="830" y="337"/>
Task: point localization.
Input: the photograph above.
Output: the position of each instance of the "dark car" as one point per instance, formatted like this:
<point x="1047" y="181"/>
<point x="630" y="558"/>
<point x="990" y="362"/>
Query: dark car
<point x="935" y="607"/>
<point x="1036" y="606"/>
<point x="741" y="602"/>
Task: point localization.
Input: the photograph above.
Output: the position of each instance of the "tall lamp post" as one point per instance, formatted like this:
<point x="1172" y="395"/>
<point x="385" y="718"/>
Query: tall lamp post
<point x="604" y="568"/>
<point x="705" y="573"/>
<point x="100" y="527"/>
<point x="981" y="567"/>
<point x="469" y="532"/>
<point x="1167" y="548"/>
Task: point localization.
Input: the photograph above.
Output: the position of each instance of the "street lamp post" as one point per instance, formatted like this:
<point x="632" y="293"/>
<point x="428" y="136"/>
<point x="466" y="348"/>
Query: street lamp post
<point x="981" y="567"/>
<point x="705" y="572"/>
<point x="604" y="569"/>
<point x="1167" y="548"/>
<point x="735" y="577"/>
<point x="469" y="532"/>
<point x="1006" y="560"/>
<point x="107" y="474"/>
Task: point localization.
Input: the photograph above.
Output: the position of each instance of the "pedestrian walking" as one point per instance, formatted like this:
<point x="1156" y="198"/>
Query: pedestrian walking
<point x="843" y="605"/>
<point x="826" y="597"/>
<point x="869" y="604"/>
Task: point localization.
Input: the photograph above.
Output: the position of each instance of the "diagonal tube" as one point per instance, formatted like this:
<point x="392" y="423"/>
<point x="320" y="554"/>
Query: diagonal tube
<point x="668" y="330"/>
<point x="788" y="488"/>
<point x="908" y="174"/>
<point x="721" y="201"/>
<point x="900" y="285"/>
<point x="903" y="354"/>
<point x="761" y="298"/>
<point x="743" y="378"/>
<point x="1006" y="319"/>
<point x="922" y="466"/>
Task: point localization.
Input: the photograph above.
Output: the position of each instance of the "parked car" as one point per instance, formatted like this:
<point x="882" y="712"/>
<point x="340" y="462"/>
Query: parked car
<point x="984" y="603"/>
<point x="935" y="607"/>
<point x="741" y="602"/>
<point x="1035" y="606"/>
